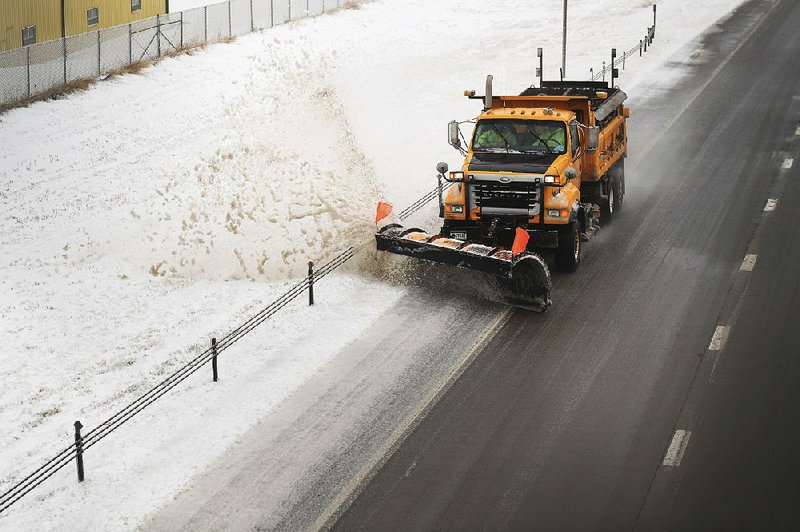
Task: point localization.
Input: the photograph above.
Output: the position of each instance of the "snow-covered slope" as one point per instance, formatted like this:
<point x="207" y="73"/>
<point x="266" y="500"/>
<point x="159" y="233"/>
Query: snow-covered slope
<point x="153" y="211"/>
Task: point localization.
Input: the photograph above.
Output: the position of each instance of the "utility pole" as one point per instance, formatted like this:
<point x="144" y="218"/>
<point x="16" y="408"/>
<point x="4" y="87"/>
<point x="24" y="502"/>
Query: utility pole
<point x="564" y="44"/>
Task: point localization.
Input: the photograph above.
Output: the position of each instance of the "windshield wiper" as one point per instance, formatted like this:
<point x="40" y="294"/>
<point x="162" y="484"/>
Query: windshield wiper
<point x="494" y="126"/>
<point x="529" y="132"/>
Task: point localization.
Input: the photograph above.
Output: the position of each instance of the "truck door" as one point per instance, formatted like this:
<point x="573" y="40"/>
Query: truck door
<point x="577" y="150"/>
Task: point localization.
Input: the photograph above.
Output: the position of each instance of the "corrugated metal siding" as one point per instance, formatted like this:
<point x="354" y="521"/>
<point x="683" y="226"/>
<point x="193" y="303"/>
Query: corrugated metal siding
<point x="46" y="16"/>
<point x="112" y="13"/>
<point x="18" y="14"/>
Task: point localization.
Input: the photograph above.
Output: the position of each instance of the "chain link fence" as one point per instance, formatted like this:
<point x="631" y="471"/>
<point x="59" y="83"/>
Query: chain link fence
<point x="39" y="68"/>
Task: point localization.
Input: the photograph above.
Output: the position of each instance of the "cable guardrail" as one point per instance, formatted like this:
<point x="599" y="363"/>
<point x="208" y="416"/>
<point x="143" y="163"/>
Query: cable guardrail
<point x="421" y="202"/>
<point x="105" y="428"/>
<point x="641" y="48"/>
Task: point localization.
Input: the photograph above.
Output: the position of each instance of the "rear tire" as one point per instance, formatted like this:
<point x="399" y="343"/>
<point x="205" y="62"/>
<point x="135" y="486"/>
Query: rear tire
<point x="568" y="254"/>
<point x="619" y="174"/>
<point x="613" y="201"/>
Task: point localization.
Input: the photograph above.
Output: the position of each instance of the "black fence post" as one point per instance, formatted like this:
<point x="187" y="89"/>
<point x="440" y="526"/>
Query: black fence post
<point x="79" y="449"/>
<point x="310" y="283"/>
<point x="654" y="21"/>
<point x="181" y="30"/>
<point x="230" y="23"/>
<point x="640" y="48"/>
<point x="646" y="38"/>
<point x="613" y="69"/>
<point x="214" y="359"/>
<point x="99" y="71"/>
<point x="205" y="24"/>
<point x="130" y="44"/>
<point x="252" y="19"/>
<point x="271" y="13"/>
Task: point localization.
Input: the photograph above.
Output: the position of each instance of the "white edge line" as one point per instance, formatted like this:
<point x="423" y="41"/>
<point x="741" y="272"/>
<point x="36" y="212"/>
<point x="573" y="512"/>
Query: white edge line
<point x="787" y="163"/>
<point x="719" y="338"/>
<point x="677" y="447"/>
<point x="353" y="488"/>
<point x="772" y="203"/>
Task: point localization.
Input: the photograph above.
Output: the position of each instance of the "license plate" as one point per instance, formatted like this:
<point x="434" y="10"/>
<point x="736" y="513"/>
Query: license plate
<point x="458" y="235"/>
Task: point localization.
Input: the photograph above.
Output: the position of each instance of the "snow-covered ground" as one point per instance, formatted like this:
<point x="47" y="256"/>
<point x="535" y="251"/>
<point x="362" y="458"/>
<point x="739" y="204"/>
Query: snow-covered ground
<point x="153" y="211"/>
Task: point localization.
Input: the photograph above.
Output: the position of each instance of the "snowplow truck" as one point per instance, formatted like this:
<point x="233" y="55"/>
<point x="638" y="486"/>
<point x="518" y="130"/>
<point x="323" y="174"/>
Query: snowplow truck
<point x="542" y="171"/>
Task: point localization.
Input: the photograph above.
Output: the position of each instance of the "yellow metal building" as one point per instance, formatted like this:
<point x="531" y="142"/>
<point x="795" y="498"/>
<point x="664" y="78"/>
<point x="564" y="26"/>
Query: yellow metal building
<point x="24" y="22"/>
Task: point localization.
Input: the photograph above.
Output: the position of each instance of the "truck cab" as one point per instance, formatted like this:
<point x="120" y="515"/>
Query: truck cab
<point x="526" y="163"/>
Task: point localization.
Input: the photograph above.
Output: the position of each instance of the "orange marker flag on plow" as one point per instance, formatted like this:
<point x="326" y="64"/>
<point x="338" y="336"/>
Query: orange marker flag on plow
<point x="521" y="238"/>
<point x="384" y="210"/>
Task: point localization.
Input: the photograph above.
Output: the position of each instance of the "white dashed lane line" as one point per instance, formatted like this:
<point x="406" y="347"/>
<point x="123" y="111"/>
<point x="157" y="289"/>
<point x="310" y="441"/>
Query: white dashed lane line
<point x="771" y="205"/>
<point x="676" y="448"/>
<point x="719" y="338"/>
<point x="797" y="131"/>
<point x="748" y="263"/>
<point x="787" y="164"/>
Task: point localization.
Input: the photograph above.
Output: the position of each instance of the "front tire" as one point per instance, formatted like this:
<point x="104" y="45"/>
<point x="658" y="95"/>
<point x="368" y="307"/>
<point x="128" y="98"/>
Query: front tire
<point x="568" y="254"/>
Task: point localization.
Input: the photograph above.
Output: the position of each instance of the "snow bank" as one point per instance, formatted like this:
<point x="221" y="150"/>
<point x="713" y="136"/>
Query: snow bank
<point x="285" y="185"/>
<point x="153" y="211"/>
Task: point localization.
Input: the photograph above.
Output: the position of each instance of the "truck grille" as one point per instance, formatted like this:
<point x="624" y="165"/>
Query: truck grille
<point x="513" y="199"/>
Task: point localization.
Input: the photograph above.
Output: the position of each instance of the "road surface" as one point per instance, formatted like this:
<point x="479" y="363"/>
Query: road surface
<point x="661" y="392"/>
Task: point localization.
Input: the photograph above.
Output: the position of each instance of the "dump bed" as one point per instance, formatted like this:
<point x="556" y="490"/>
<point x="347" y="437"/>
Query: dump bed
<point x="595" y="103"/>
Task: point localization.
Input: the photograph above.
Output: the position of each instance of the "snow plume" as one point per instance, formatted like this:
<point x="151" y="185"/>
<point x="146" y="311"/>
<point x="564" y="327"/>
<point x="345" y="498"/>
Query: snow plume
<point x="288" y="183"/>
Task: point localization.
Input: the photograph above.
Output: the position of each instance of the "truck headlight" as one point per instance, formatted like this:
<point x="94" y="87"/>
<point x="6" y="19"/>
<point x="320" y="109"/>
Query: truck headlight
<point x="550" y="179"/>
<point x="457" y="209"/>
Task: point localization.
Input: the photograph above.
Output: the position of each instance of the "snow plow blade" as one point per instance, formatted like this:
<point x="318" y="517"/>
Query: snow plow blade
<point x="525" y="277"/>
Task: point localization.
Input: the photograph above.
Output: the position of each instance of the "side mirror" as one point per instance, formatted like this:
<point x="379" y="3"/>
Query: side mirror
<point x="442" y="168"/>
<point x="454" y="135"/>
<point x="593" y="139"/>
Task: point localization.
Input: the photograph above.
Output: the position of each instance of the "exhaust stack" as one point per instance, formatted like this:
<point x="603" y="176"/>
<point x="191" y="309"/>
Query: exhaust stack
<point x="488" y="99"/>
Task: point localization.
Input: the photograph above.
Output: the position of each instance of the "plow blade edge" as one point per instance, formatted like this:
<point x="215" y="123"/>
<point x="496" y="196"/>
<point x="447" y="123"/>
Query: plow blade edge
<point x="524" y="277"/>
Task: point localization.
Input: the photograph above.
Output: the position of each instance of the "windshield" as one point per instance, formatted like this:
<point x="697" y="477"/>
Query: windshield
<point x="520" y="136"/>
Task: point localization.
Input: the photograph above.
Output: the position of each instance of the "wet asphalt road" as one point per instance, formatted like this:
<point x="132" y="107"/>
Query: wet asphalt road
<point x="564" y="420"/>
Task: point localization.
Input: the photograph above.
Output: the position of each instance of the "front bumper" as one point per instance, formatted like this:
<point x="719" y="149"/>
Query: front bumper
<point x="540" y="236"/>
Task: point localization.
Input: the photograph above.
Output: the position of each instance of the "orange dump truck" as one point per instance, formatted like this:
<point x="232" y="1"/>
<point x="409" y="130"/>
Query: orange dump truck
<point x="542" y="171"/>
